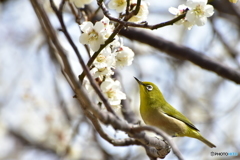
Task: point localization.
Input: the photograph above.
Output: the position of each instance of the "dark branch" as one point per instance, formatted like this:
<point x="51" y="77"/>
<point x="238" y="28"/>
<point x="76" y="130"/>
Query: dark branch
<point x="184" y="53"/>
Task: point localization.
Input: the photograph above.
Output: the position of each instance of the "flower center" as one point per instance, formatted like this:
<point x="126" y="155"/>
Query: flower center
<point x="101" y="58"/>
<point x="198" y="11"/>
<point x="93" y="36"/>
<point x="111" y="93"/>
<point x="121" y="2"/>
<point x="101" y="69"/>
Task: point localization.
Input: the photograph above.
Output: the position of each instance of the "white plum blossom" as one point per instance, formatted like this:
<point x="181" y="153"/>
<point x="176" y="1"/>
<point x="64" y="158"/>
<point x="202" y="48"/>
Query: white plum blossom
<point x="112" y="56"/>
<point x="97" y="34"/>
<point x="124" y="56"/>
<point x="118" y="5"/>
<point x="111" y="90"/>
<point x="179" y="11"/>
<point x="142" y="13"/>
<point x="92" y="35"/>
<point x="104" y="63"/>
<point x="101" y="72"/>
<point x="108" y="28"/>
<point x="104" y="59"/>
<point x="80" y="3"/>
<point x="199" y="11"/>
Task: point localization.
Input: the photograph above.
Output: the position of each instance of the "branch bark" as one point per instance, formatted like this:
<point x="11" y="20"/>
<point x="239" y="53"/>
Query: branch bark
<point x="182" y="52"/>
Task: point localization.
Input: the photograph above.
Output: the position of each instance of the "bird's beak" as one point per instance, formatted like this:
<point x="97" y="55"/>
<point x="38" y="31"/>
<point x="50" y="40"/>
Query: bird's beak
<point x="139" y="82"/>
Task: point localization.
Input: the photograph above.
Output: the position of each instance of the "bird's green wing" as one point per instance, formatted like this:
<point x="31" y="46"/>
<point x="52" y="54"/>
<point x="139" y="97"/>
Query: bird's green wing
<point x="172" y="112"/>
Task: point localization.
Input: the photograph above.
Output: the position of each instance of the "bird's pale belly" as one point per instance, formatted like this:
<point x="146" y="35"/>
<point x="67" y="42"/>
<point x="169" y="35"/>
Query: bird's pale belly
<point x="170" y="125"/>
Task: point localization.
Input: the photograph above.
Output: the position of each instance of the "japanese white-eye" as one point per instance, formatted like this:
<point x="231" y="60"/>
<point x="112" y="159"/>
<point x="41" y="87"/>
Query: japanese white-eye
<point x="156" y="111"/>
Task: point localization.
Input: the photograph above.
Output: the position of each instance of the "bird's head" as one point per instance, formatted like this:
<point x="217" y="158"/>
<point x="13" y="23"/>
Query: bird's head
<point x="149" y="91"/>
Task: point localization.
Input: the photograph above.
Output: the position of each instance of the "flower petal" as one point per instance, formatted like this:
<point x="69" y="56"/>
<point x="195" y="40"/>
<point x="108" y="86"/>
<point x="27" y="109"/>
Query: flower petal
<point x="173" y="10"/>
<point x="86" y="26"/>
<point x="99" y="26"/>
<point x="83" y="38"/>
<point x="209" y="10"/>
<point x="201" y="21"/>
<point x="190" y="16"/>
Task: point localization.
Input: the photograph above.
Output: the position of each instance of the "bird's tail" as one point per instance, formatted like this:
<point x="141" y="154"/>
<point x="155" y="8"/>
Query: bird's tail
<point x="197" y="135"/>
<point x="201" y="138"/>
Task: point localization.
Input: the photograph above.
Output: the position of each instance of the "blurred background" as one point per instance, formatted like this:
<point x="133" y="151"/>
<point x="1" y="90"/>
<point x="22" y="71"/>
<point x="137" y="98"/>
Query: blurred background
<point x="39" y="118"/>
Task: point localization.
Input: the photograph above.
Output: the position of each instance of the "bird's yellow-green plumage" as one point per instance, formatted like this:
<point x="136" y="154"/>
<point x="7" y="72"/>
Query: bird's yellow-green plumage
<point x="156" y="111"/>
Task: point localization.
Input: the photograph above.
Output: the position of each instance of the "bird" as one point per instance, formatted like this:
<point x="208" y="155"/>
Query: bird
<point x="156" y="111"/>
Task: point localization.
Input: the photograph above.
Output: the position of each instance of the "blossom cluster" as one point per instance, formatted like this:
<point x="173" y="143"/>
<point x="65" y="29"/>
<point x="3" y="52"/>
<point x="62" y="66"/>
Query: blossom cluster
<point x="120" y="6"/>
<point x="197" y="13"/>
<point x="112" y="56"/>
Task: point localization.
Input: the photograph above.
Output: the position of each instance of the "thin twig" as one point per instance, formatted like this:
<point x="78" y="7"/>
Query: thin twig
<point x="139" y="25"/>
<point x="134" y="12"/>
<point x="73" y="11"/>
<point x="127" y="8"/>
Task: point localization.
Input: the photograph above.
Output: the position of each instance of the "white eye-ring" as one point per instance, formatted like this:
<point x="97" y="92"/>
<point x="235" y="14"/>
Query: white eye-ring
<point x="149" y="87"/>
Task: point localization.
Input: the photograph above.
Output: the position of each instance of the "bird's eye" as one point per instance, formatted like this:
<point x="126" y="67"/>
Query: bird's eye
<point x="149" y="87"/>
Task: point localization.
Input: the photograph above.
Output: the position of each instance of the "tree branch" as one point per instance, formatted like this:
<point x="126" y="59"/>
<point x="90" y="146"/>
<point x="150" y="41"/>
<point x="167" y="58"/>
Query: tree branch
<point x="115" y="142"/>
<point x="25" y="141"/>
<point x="184" y="53"/>
<point x="162" y="134"/>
